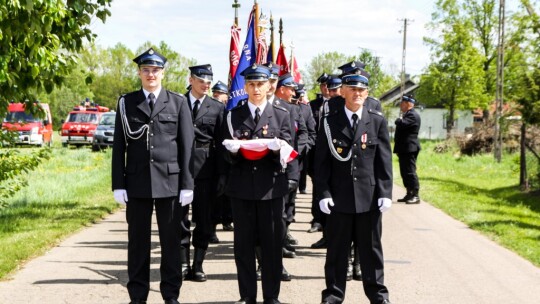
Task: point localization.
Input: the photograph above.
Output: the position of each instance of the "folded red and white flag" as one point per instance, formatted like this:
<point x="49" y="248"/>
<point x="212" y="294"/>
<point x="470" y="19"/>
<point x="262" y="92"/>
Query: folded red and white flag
<point x="254" y="149"/>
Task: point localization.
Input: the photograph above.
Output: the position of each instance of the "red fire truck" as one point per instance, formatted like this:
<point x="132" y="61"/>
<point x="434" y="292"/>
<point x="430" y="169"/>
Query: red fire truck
<point x="32" y="130"/>
<point x="80" y="125"/>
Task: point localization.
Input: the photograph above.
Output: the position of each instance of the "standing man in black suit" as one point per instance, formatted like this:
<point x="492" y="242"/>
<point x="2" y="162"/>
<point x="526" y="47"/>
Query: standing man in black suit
<point x="150" y="169"/>
<point x="256" y="187"/>
<point x="407" y="147"/>
<point x="207" y="115"/>
<point x="316" y="107"/>
<point x="307" y="115"/>
<point x="353" y="174"/>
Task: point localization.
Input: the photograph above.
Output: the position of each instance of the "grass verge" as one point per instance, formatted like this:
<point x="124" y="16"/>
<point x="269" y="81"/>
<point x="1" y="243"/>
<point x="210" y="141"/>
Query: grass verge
<point x="484" y="195"/>
<point x="65" y="193"/>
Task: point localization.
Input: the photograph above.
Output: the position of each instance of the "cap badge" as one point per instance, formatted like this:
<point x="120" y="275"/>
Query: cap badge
<point x="151" y="52"/>
<point x="353" y="64"/>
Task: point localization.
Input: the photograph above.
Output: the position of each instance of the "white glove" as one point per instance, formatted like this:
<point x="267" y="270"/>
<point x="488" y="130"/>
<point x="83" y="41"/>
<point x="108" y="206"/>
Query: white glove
<point x="384" y="204"/>
<point x="120" y="196"/>
<point x="275" y="145"/>
<point x="186" y="197"/>
<point x="232" y="147"/>
<point x="325" y="203"/>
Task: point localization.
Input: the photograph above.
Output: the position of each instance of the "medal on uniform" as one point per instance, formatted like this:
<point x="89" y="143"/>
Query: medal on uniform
<point x="364" y="140"/>
<point x="265" y="130"/>
<point x="339" y="150"/>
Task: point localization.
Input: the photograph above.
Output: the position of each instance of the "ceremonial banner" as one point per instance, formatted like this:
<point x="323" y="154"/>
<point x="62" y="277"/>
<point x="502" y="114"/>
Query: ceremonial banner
<point x="234" y="53"/>
<point x="281" y="61"/>
<point x="295" y="72"/>
<point x="247" y="58"/>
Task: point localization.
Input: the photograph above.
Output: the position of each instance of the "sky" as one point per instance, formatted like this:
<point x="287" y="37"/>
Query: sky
<point x="201" y="29"/>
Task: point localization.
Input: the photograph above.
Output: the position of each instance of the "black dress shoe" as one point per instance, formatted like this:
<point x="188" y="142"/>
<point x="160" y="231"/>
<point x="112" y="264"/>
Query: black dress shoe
<point x="303" y="191"/>
<point x="290" y="239"/>
<point x="288" y="253"/>
<point x="213" y="239"/>
<point x="171" y="301"/>
<point x="357" y="273"/>
<point x="319" y="244"/>
<point x="405" y="198"/>
<point x="315" y="227"/>
<point x="285" y="275"/>
<point x="246" y="301"/>
<point x="137" y="302"/>
<point x="228" y="227"/>
<point x="413" y="200"/>
<point x="271" y="301"/>
<point x="386" y="301"/>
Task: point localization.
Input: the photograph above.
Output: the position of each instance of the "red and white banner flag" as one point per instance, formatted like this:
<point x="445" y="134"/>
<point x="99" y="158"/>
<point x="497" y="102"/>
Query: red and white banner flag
<point x="234" y="53"/>
<point x="281" y="61"/>
<point x="295" y="72"/>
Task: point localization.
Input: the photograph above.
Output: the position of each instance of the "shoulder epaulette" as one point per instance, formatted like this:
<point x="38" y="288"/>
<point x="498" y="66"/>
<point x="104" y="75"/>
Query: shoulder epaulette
<point x="279" y="107"/>
<point x="239" y="104"/>
<point x="176" y="93"/>
<point x="213" y="99"/>
<point x="375" y="112"/>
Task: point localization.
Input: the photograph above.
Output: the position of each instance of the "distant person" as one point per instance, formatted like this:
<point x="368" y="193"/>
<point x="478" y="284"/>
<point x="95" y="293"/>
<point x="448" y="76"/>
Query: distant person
<point x="407" y="147"/>
<point x="151" y="170"/>
<point x="220" y="91"/>
<point x="353" y="175"/>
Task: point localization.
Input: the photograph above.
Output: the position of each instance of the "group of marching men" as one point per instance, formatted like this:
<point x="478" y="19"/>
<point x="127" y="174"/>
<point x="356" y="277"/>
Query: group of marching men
<point x="172" y="151"/>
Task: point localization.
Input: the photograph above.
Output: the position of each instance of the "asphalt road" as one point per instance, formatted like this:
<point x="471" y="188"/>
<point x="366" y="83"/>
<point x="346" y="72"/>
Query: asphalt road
<point x="429" y="258"/>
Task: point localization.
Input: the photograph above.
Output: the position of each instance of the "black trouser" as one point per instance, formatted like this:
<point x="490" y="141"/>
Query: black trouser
<point x="407" y="169"/>
<point x="302" y="182"/>
<point x="222" y="213"/>
<point x="201" y="209"/>
<point x="139" y="219"/>
<point x="258" y="220"/>
<point x="318" y="215"/>
<point x="289" y="207"/>
<point x="366" y="230"/>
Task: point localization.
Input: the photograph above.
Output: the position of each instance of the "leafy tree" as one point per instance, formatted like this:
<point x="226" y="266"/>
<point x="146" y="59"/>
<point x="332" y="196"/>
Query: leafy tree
<point x="455" y="78"/>
<point x="39" y="40"/>
<point x="329" y="63"/>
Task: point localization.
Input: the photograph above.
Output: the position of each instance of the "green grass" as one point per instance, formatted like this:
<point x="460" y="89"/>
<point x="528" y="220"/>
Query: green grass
<point x="64" y="194"/>
<point x="484" y="195"/>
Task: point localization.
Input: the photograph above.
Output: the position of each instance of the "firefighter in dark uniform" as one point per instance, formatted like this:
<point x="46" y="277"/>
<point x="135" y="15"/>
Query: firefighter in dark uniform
<point x="353" y="174"/>
<point x="333" y="83"/>
<point x="256" y="187"/>
<point x="150" y="169"/>
<point x="222" y="208"/>
<point x="307" y="115"/>
<point x="407" y="147"/>
<point x="285" y="91"/>
<point x="207" y="115"/>
<point x="316" y="106"/>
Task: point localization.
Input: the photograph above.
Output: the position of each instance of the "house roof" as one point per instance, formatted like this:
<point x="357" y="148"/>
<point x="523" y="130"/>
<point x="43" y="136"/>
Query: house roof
<point x="394" y="94"/>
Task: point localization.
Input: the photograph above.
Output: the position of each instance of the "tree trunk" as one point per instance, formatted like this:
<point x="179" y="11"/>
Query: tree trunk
<point x="450" y="122"/>
<point x="523" y="180"/>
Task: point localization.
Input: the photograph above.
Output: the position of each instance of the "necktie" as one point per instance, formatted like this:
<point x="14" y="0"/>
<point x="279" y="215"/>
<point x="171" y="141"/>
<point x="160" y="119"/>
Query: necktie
<point x="354" y="122"/>
<point x="257" y="115"/>
<point x="196" y="108"/>
<point x="151" y="101"/>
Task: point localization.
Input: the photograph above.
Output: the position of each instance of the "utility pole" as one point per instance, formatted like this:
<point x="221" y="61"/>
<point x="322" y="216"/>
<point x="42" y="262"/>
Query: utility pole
<point x="405" y="23"/>
<point x="500" y="77"/>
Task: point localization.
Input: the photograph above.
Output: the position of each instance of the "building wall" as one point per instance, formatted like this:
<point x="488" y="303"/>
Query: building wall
<point x="434" y="121"/>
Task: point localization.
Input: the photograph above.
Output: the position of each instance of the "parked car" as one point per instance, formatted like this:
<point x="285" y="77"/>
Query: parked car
<point x="79" y="127"/>
<point x="104" y="135"/>
<point x="32" y="130"/>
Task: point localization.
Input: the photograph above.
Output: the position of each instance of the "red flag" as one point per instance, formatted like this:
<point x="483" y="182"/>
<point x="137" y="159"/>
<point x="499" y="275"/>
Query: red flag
<point x="262" y="48"/>
<point x="295" y="72"/>
<point x="281" y="61"/>
<point x="234" y="54"/>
